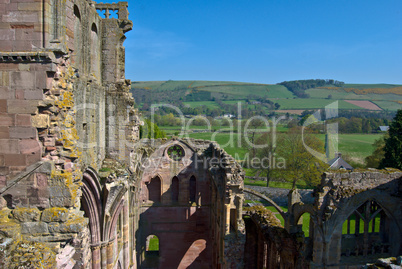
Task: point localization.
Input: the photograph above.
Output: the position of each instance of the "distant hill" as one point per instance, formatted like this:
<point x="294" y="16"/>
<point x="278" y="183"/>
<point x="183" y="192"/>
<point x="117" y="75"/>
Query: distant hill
<point x="207" y="93"/>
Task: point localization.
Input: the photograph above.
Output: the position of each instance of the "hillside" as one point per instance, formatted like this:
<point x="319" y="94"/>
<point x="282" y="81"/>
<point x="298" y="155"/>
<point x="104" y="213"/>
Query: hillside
<point x="368" y="97"/>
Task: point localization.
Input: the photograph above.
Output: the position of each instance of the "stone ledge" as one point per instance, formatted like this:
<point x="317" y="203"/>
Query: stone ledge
<point x="26" y="57"/>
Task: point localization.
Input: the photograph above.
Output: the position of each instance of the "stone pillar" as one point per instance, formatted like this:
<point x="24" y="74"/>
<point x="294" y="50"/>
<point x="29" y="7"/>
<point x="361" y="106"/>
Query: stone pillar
<point x="103" y="256"/>
<point x="96" y="257"/>
<point x="227" y="214"/>
<point x="126" y="236"/>
<point x="110" y="254"/>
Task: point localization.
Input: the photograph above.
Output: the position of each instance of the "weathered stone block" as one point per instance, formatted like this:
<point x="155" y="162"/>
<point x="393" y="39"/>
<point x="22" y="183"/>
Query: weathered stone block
<point x="6" y="120"/>
<point x="33" y="158"/>
<point x="33" y="94"/>
<point x="40" y="121"/>
<point x="34" y="228"/>
<point x="14" y="160"/>
<point x="41" y="180"/>
<point x="9" y="146"/>
<point x="22" y="132"/>
<point x="35" y="6"/>
<point x="5" y="92"/>
<point x="3" y="105"/>
<point x="23" y="120"/>
<point x="24" y="214"/>
<point x="4" y="132"/>
<point x="10" y="229"/>
<point x="74" y="226"/>
<point x="20" y="16"/>
<point x="7" y="34"/>
<point x="3" y="181"/>
<point x="23" y="79"/>
<point x="29" y="146"/>
<point x="19" y="94"/>
<point x="55" y="214"/>
<point x="22" y="106"/>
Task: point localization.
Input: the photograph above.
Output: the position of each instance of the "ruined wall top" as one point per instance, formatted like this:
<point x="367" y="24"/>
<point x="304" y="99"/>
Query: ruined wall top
<point x="120" y="7"/>
<point x="360" y="180"/>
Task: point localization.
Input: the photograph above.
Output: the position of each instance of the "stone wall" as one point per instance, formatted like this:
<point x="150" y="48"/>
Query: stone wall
<point x="199" y="212"/>
<point x="279" y="196"/>
<point x="61" y="83"/>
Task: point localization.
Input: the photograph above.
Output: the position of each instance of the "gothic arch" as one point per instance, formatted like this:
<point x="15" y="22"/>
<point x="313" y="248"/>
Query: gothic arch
<point x="175" y="189"/>
<point x="77" y="37"/>
<point x="154" y="187"/>
<point x="383" y="199"/>
<point x="91" y="204"/>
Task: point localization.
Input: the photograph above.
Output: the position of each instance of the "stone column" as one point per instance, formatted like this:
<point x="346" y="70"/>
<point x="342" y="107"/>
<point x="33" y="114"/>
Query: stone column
<point x="96" y="257"/>
<point x="103" y="256"/>
<point x="227" y="213"/>
<point x="110" y="254"/>
<point x="126" y="236"/>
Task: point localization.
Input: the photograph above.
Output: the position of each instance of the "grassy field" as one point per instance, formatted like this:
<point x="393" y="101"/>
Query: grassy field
<point x="305" y="219"/>
<point x="356" y="146"/>
<point x="388" y="105"/>
<point x="312" y="103"/>
<point x="209" y="104"/>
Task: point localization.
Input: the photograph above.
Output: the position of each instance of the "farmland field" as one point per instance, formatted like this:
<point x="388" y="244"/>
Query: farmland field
<point x="356" y="146"/>
<point x="388" y="105"/>
<point x="209" y="104"/>
<point x="312" y="104"/>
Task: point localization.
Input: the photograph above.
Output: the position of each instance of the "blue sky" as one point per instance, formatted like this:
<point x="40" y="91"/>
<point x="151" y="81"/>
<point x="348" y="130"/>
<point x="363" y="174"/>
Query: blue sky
<point x="265" y="41"/>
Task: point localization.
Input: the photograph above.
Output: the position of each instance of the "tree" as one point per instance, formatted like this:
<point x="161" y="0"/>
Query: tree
<point x="393" y="144"/>
<point x="374" y="160"/>
<point x="298" y="164"/>
<point x="301" y="165"/>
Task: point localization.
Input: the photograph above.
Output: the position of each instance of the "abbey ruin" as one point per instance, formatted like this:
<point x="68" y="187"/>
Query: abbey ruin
<point x="79" y="189"/>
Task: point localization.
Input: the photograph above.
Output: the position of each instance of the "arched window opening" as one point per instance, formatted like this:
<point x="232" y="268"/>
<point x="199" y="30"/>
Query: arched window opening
<point x="77" y="13"/>
<point x="77" y="37"/>
<point x="233" y="220"/>
<point x="175" y="190"/>
<point x="152" y="245"/>
<point x="154" y="190"/>
<point x="152" y="252"/>
<point x="305" y="224"/>
<point x="95" y="54"/>
<point x="193" y="189"/>
<point x="365" y="232"/>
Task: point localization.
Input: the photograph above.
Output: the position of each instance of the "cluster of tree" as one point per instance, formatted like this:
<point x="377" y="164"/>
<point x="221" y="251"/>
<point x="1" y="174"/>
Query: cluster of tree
<point x="361" y="123"/>
<point x="298" y="163"/>
<point x="151" y="130"/>
<point x="298" y="87"/>
<point x="388" y="149"/>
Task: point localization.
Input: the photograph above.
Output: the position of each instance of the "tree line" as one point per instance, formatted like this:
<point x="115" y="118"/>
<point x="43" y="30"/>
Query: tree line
<point x="298" y="87"/>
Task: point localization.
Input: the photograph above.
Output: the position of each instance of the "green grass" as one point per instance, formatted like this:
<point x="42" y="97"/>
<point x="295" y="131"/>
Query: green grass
<point x="312" y="103"/>
<point x="369" y="86"/>
<point x="340" y="94"/>
<point x="274" y="184"/>
<point x="356" y="146"/>
<point x="209" y="104"/>
<point x="153" y="244"/>
<point x="389" y="105"/>
<point x="361" y="225"/>
<point x="226" y="141"/>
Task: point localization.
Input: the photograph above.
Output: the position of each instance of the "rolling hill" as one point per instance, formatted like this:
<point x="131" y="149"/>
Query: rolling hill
<point x="372" y="97"/>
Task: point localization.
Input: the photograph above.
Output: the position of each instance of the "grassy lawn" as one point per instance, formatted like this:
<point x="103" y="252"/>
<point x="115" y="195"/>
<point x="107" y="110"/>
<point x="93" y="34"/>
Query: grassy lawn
<point x="361" y="225"/>
<point x="356" y="146"/>
<point x="153" y="244"/>
<point x="225" y="140"/>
